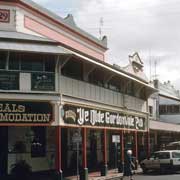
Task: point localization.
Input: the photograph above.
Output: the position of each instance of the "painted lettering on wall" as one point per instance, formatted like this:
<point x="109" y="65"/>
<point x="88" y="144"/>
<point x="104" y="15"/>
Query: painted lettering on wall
<point x="93" y="117"/>
<point x="4" y="15"/>
<point x="25" y="112"/>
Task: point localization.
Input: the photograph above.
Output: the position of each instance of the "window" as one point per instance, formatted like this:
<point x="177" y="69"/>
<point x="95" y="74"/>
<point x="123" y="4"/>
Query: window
<point x="38" y="145"/>
<point x="150" y="110"/>
<point x="74" y="69"/>
<point x="162" y="109"/>
<point x="163" y="155"/>
<point x="130" y="88"/>
<point x="14" y="61"/>
<point x="175" y="155"/>
<point x="49" y="63"/>
<point x="169" y="109"/>
<point x="143" y="93"/>
<point x="32" y="62"/>
<point x="3" y="58"/>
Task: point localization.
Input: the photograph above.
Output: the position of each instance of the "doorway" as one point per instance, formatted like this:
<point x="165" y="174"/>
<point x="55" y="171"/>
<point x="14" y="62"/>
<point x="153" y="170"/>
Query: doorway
<point x="3" y="150"/>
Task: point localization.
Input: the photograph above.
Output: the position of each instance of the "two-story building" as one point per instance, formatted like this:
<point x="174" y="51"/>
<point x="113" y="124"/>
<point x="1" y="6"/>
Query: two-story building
<point x="57" y="95"/>
<point x="164" y="109"/>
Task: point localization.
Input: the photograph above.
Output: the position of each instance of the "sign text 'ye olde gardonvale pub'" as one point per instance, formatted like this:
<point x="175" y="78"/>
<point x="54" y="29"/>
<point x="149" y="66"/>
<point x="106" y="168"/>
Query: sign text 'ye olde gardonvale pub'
<point x="93" y="117"/>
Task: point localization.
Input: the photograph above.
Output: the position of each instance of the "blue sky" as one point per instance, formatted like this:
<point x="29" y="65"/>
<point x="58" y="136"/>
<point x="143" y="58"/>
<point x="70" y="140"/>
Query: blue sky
<point x="149" y="27"/>
<point x="61" y="7"/>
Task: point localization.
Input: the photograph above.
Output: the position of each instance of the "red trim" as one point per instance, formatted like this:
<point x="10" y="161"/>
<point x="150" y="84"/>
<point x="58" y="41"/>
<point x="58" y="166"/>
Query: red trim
<point x="84" y="148"/>
<point x="58" y="148"/>
<point x="105" y="147"/>
<point x="122" y="145"/>
<point x="136" y="144"/>
<point x="96" y="127"/>
<point x="25" y="124"/>
<point x="148" y="144"/>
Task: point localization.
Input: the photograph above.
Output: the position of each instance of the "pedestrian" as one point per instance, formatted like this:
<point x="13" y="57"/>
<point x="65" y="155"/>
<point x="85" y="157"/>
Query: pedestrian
<point x="128" y="165"/>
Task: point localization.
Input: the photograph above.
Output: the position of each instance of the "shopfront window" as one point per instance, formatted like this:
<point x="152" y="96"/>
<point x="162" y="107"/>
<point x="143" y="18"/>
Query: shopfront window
<point x="38" y="145"/>
<point x="70" y="150"/>
<point x="94" y="149"/>
<point x="114" y="149"/>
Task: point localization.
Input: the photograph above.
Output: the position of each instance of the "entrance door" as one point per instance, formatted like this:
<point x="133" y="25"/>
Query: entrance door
<point x="3" y="150"/>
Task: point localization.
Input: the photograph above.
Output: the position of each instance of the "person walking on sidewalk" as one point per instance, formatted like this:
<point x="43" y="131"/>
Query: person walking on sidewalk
<point x="128" y="165"/>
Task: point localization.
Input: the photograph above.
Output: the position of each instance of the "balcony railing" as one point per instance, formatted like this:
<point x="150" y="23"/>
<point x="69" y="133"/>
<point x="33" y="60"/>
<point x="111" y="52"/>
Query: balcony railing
<point x="84" y="90"/>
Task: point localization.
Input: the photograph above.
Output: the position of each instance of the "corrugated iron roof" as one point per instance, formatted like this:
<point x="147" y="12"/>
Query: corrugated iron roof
<point x="22" y="36"/>
<point x="32" y="47"/>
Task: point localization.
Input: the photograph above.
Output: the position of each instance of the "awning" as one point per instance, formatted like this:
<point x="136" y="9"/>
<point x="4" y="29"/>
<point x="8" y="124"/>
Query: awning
<point x="163" y="126"/>
<point x="32" y="47"/>
<point x="110" y="68"/>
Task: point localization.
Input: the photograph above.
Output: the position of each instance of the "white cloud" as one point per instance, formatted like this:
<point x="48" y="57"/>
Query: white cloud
<point x="148" y="27"/>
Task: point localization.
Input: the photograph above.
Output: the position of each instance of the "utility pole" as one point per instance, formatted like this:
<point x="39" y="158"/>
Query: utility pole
<point x="101" y="23"/>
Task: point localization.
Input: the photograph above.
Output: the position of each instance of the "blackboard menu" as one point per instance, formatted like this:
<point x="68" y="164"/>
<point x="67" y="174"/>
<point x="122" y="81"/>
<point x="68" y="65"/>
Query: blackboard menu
<point x="9" y="80"/>
<point x="42" y="81"/>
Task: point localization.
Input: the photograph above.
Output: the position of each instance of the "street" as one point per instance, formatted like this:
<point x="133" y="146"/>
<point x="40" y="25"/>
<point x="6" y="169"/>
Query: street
<point x="153" y="176"/>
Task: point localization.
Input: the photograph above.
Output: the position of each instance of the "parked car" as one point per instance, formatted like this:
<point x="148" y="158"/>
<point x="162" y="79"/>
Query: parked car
<point x="162" y="161"/>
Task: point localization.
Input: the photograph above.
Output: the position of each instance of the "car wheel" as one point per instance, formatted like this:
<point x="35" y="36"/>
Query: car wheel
<point x="162" y="170"/>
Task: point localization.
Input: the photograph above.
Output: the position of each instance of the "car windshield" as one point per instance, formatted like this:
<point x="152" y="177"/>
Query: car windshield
<point x="176" y="154"/>
<point x="163" y="155"/>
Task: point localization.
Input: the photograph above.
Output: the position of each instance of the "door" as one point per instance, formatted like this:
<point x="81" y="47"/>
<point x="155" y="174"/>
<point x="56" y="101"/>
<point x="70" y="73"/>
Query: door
<point x="155" y="161"/>
<point x="176" y="158"/>
<point x="3" y="150"/>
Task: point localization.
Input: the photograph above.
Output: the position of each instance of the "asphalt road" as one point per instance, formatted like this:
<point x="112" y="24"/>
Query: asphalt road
<point x="153" y="176"/>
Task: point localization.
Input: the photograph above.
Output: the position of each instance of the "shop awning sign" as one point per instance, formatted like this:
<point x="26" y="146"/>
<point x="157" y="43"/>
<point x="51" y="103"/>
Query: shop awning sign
<point x="17" y="112"/>
<point x="93" y="117"/>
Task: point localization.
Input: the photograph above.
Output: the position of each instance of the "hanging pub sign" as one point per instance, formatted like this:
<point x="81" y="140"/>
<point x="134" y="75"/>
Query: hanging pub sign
<point x="43" y="81"/>
<point x="94" y="117"/>
<point x="25" y="112"/>
<point x="4" y="15"/>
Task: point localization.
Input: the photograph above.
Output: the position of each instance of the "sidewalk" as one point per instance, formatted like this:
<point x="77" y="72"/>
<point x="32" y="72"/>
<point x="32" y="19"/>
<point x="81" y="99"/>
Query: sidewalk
<point x="112" y="175"/>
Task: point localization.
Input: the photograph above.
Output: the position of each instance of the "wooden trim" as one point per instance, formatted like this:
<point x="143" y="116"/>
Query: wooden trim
<point x="122" y="145"/>
<point x="84" y="146"/>
<point x="58" y="160"/>
<point x="148" y="144"/>
<point x="105" y="146"/>
<point x="136" y="144"/>
<point x="101" y="127"/>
